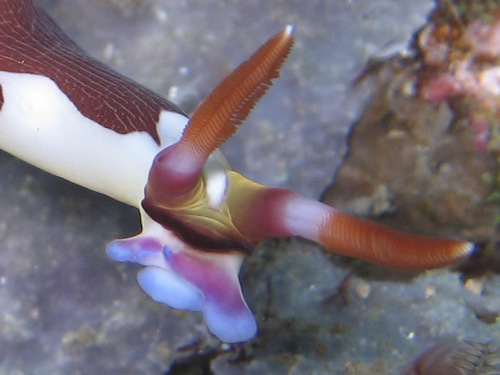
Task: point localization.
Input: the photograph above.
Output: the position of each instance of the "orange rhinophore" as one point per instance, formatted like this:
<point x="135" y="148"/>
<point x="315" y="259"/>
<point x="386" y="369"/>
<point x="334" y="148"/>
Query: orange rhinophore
<point x="359" y="238"/>
<point x="218" y="117"/>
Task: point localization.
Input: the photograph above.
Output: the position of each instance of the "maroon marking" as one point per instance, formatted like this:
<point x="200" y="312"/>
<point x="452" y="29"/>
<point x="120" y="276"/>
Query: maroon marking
<point x="201" y="238"/>
<point x="31" y="42"/>
<point x="262" y="215"/>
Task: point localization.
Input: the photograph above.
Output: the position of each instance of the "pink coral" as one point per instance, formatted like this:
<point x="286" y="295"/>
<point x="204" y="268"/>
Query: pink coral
<point x="461" y="66"/>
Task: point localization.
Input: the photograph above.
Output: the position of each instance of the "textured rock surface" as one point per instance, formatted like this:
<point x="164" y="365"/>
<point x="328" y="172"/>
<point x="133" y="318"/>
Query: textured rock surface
<point x="67" y="309"/>
<point x="414" y="166"/>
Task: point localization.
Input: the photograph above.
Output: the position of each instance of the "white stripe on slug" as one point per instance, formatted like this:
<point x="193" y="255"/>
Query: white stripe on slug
<point x="40" y="125"/>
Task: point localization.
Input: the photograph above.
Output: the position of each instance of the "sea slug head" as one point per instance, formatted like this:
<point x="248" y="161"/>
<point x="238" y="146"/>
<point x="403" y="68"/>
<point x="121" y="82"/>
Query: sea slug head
<point x="190" y="246"/>
<point x="200" y="218"/>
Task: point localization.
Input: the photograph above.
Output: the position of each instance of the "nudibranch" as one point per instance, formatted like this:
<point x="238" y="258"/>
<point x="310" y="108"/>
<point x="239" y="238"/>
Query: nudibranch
<point x="65" y="112"/>
<point x="452" y="357"/>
